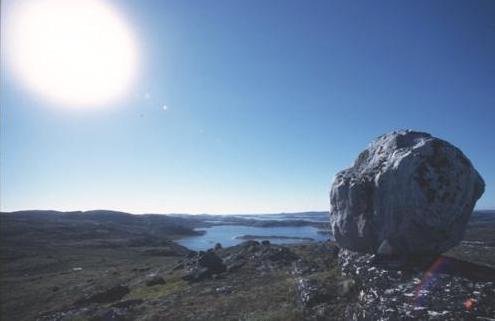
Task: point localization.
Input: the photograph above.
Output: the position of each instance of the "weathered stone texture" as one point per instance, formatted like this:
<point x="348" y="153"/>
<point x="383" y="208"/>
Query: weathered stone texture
<point x="407" y="193"/>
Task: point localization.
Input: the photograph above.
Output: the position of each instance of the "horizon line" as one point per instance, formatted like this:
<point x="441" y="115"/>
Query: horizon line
<point x="168" y="213"/>
<point x="185" y="213"/>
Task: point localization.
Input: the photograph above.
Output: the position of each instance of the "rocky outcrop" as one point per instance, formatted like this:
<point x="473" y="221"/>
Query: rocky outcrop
<point x="203" y="266"/>
<point x="448" y="290"/>
<point x="264" y="257"/>
<point x="408" y="193"/>
<point x="305" y="282"/>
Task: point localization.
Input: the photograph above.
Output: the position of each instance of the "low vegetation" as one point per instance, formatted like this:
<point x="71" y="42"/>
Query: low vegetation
<point x="114" y="268"/>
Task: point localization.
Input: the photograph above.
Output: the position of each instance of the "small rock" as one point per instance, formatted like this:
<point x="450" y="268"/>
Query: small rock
<point x="155" y="280"/>
<point x="218" y="246"/>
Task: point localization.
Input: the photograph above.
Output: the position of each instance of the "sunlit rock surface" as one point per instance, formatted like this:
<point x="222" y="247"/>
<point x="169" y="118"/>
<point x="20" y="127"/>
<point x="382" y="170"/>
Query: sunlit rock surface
<point x="449" y="290"/>
<point x="408" y="193"/>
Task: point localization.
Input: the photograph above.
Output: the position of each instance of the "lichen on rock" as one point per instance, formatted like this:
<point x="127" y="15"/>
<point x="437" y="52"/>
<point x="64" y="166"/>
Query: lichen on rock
<point x="408" y="193"/>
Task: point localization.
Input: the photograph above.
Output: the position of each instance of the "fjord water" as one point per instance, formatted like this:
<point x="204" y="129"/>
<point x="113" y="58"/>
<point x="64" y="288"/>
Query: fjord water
<point x="226" y="235"/>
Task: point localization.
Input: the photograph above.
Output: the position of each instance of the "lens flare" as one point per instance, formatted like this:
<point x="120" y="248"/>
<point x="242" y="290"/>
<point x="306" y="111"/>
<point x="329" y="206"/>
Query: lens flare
<point x="429" y="279"/>
<point x="469" y="303"/>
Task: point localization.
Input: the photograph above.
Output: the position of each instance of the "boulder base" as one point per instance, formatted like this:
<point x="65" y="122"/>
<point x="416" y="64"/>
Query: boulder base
<point x="408" y="193"/>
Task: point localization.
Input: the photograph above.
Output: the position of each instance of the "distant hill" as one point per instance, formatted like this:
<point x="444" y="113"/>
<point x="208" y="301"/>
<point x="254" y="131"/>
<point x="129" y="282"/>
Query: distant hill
<point x="109" y="227"/>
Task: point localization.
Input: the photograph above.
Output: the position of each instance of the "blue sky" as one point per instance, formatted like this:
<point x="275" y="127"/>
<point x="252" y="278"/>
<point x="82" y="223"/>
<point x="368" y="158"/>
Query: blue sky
<point x="266" y="101"/>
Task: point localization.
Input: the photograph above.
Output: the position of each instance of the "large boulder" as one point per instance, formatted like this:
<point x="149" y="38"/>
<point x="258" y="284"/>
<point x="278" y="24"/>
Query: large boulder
<point x="408" y="193"/>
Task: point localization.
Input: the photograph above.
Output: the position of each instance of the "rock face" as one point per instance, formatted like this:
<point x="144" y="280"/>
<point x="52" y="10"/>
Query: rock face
<point x="408" y="193"/>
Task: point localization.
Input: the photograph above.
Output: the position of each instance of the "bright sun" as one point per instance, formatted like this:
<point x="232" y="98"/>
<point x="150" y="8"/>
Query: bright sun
<point x="78" y="53"/>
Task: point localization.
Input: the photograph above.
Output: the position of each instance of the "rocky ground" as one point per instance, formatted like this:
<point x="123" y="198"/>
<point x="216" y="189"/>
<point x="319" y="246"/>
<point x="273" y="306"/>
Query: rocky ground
<point x="448" y="290"/>
<point x="249" y="282"/>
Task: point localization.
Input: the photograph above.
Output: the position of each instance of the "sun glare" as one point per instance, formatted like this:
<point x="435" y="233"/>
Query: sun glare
<point x="77" y="53"/>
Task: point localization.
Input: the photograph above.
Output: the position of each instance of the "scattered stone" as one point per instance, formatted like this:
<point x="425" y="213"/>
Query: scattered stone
<point x="263" y="258"/>
<point x="407" y="194"/>
<point x="303" y="267"/>
<point x="311" y="292"/>
<point x="155" y="280"/>
<point x="413" y="294"/>
<point x="106" y="296"/>
<point x="224" y="290"/>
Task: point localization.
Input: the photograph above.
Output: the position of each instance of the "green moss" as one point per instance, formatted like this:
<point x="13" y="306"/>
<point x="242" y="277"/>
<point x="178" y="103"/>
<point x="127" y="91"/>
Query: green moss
<point x="157" y="291"/>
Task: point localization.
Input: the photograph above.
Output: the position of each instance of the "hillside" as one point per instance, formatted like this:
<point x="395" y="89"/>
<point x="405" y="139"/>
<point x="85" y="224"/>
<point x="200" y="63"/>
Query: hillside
<point x="105" y="265"/>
